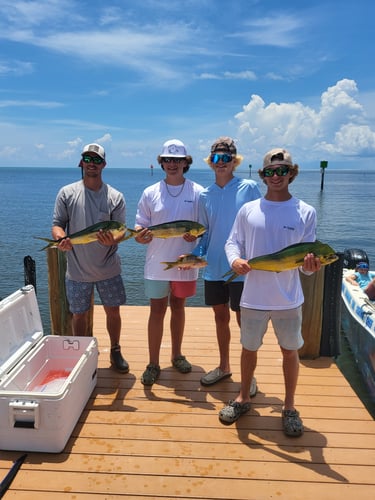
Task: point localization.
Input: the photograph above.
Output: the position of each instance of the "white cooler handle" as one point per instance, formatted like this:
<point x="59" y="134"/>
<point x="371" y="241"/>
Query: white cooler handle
<point x="24" y="414"/>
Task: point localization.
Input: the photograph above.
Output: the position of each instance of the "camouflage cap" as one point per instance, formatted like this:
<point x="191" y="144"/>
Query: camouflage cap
<point x="225" y="145"/>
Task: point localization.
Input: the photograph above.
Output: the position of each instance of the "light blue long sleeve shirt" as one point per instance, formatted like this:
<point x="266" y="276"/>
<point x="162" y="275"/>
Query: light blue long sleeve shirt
<point x="217" y="209"/>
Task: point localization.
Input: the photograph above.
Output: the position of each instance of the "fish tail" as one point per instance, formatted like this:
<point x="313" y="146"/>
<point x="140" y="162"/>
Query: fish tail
<point x="228" y="273"/>
<point x="168" y="264"/>
<point x="51" y="243"/>
<point x="232" y="276"/>
<point x="129" y="233"/>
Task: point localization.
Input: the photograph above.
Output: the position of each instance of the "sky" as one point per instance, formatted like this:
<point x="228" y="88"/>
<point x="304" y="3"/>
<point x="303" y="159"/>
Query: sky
<point x="131" y="75"/>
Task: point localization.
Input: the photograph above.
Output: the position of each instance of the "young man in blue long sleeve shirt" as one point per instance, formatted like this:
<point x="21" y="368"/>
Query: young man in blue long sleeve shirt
<point x="217" y="208"/>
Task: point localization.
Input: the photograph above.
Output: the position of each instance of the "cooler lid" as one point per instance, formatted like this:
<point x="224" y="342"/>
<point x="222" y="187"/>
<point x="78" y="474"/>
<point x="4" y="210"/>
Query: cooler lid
<point x="20" y="327"/>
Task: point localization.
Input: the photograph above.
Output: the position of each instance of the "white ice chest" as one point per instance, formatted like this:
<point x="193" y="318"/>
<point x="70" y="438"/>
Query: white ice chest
<point x="45" y="381"/>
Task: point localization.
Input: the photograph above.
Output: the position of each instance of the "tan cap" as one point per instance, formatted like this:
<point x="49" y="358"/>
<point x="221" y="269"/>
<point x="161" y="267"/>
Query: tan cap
<point x="277" y="156"/>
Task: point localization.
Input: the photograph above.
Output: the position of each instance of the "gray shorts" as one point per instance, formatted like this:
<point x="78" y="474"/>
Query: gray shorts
<point x="286" y="324"/>
<point x="111" y="293"/>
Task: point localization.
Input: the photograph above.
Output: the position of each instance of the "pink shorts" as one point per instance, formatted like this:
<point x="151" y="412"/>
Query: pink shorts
<point x="157" y="289"/>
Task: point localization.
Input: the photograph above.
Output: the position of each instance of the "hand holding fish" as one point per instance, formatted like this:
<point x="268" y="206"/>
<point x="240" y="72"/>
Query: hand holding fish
<point x="241" y="266"/>
<point x="144" y="236"/>
<point x="311" y="263"/>
<point x="65" y="245"/>
<point x="106" y="238"/>
<point x="190" y="238"/>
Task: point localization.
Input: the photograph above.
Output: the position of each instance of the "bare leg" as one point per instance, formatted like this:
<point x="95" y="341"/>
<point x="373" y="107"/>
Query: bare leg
<point x="222" y="318"/>
<point x="79" y="323"/>
<point x="113" y="321"/>
<point x="290" y="370"/>
<point x="248" y="365"/>
<point x="158" y="308"/>
<point x="177" y="324"/>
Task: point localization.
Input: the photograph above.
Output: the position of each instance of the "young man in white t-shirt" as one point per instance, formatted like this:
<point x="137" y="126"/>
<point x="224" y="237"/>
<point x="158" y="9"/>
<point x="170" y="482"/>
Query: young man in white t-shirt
<point x="174" y="198"/>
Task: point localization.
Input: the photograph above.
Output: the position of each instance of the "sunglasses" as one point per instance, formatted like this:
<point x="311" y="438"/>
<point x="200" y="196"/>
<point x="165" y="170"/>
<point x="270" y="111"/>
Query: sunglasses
<point x="362" y="266"/>
<point x="279" y="171"/>
<point x="225" y="158"/>
<point x="173" y="160"/>
<point x="92" y="159"/>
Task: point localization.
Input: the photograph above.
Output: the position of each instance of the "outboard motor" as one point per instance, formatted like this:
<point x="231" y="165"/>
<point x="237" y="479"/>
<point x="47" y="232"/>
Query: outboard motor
<point x="352" y="256"/>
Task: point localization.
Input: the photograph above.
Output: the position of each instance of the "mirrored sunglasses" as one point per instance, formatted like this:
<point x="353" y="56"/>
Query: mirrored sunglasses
<point x="280" y="171"/>
<point x="92" y="159"/>
<point x="224" y="157"/>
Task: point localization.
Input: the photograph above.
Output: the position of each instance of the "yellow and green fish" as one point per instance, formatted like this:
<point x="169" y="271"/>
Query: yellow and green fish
<point x="186" y="261"/>
<point x="290" y="257"/>
<point x="89" y="234"/>
<point x="172" y="229"/>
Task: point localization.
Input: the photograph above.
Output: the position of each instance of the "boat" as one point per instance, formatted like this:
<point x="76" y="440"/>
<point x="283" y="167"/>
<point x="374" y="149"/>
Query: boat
<point x="358" y="321"/>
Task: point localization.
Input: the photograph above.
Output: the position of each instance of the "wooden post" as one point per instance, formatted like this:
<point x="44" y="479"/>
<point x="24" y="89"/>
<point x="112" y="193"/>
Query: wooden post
<point x="323" y="166"/>
<point x="61" y="317"/>
<point x="312" y="314"/>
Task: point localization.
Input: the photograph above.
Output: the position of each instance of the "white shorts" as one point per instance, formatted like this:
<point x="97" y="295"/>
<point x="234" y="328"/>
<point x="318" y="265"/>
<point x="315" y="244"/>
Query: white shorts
<point x="286" y="324"/>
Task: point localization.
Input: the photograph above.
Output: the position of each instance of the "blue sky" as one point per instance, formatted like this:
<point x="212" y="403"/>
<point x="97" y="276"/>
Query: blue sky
<point x="131" y="75"/>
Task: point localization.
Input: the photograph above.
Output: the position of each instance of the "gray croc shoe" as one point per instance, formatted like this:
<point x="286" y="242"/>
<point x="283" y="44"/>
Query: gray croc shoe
<point x="181" y="364"/>
<point x="151" y="374"/>
<point x="292" y="423"/>
<point x="233" y="411"/>
<point x="214" y="376"/>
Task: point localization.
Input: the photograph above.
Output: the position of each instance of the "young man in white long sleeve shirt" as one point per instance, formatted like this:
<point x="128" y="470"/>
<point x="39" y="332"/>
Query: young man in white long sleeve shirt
<point x="261" y="227"/>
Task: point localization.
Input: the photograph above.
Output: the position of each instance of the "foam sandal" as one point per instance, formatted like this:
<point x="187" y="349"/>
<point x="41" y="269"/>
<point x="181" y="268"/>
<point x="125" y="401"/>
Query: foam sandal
<point x="233" y="411"/>
<point x="292" y="423"/>
<point x="181" y="364"/>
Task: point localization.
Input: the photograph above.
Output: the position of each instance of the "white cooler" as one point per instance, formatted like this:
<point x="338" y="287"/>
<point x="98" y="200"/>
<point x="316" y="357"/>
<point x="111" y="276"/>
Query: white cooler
<point x="45" y="381"/>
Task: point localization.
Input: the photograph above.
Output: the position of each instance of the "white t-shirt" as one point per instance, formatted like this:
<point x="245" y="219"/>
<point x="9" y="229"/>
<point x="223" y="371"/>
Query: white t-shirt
<point x="262" y="227"/>
<point x="157" y="206"/>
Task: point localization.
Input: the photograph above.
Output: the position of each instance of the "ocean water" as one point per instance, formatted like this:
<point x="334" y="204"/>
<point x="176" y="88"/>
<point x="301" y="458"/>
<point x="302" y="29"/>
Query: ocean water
<point x="27" y="195"/>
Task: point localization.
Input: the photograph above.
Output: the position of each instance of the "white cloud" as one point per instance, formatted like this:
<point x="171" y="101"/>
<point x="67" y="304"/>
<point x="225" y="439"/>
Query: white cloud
<point x="338" y="128"/>
<point x="278" y="30"/>
<point x="229" y="75"/>
<point x="31" y="103"/>
<point x="17" y="68"/>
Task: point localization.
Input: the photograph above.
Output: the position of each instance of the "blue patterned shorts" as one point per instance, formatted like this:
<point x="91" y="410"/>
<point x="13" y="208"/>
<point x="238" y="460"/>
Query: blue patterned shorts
<point x="111" y="293"/>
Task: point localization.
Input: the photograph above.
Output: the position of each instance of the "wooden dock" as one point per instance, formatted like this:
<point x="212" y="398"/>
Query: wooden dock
<point x="166" y="442"/>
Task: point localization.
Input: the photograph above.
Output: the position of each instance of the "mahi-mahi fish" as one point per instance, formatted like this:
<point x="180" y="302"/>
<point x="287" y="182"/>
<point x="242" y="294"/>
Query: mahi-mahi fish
<point x="186" y="261"/>
<point x="172" y="229"/>
<point x="89" y="234"/>
<point x="290" y="257"/>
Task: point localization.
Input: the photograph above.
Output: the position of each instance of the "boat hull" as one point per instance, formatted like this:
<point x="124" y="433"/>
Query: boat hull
<point x="358" y="326"/>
